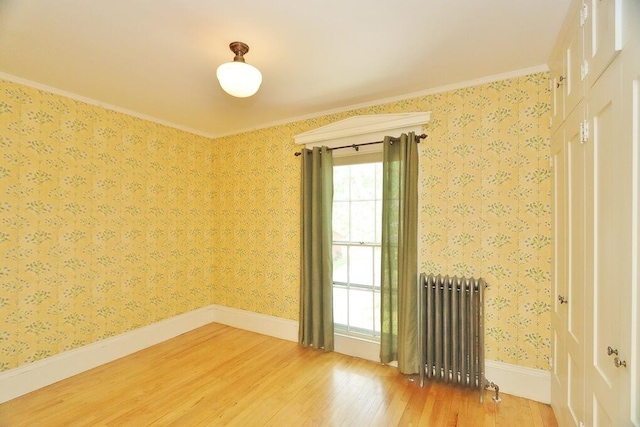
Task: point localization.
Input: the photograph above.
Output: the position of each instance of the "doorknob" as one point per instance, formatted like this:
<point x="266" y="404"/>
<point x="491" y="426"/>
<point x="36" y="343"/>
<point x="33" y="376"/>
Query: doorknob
<point x="611" y="351"/>
<point x="618" y="362"/>
<point x="562" y="300"/>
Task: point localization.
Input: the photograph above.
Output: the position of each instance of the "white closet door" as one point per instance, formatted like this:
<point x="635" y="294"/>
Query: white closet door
<point x="612" y="252"/>
<point x="632" y="81"/>
<point x="603" y="34"/>
<point x="630" y="297"/>
<point x="559" y="281"/>
<point x="579" y="158"/>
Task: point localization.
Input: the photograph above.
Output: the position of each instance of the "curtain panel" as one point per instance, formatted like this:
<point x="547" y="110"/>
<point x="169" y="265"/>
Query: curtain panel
<point x="316" y="290"/>
<point x="399" y="306"/>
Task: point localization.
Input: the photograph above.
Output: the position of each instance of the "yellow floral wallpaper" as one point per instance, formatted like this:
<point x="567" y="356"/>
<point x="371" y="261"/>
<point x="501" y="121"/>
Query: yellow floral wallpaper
<point x="105" y="223"/>
<point x="109" y="222"/>
<point x="484" y="200"/>
<point x="485" y="207"/>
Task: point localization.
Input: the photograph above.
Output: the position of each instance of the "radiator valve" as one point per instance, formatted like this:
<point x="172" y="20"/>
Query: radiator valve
<point x="494" y="386"/>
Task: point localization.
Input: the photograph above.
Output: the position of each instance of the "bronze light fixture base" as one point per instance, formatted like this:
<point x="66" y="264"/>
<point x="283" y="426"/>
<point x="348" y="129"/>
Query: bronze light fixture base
<point x="239" y="49"/>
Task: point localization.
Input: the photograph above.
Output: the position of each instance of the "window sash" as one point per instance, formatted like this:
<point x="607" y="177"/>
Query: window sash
<point x="363" y="287"/>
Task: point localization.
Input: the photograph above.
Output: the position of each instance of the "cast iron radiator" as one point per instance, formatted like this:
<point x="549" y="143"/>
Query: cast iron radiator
<point x="451" y="331"/>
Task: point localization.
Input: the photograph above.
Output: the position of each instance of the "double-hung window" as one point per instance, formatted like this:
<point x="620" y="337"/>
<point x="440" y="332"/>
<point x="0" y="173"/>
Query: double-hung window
<point x="357" y="229"/>
<point x="357" y="217"/>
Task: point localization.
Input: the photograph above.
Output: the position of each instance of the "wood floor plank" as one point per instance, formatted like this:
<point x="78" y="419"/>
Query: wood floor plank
<point x="220" y="376"/>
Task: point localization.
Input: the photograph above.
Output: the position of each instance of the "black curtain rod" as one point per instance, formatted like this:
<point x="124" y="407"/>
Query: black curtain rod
<point x="357" y="146"/>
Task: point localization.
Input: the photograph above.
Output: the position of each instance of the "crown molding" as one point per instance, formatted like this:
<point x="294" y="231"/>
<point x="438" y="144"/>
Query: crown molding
<point x="436" y="90"/>
<point x="90" y="101"/>
<point x="432" y="91"/>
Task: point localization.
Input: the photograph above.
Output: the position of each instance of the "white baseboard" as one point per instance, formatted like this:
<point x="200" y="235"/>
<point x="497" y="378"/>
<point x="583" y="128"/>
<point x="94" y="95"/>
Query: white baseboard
<point x="277" y="327"/>
<point x="25" y="379"/>
<point x="288" y="330"/>
<point x="525" y="382"/>
<point x="530" y="383"/>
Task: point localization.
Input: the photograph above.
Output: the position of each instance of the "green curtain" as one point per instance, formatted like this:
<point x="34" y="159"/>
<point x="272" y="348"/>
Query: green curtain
<point x="399" y="318"/>
<point x="316" y="290"/>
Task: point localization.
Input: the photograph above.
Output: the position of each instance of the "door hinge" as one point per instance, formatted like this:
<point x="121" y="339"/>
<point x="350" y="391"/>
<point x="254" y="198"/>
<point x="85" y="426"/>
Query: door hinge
<point x="584" y="14"/>
<point x="584" y="131"/>
<point x="584" y="69"/>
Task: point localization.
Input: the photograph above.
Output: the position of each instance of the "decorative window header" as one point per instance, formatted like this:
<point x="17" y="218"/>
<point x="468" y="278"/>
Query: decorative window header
<point x="362" y="129"/>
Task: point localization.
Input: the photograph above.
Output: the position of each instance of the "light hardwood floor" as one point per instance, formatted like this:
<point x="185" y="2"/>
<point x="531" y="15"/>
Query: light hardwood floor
<point x="220" y="376"/>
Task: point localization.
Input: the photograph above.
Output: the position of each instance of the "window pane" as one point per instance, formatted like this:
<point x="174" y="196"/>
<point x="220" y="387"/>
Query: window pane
<point x="361" y="265"/>
<point x="377" y="266"/>
<point x="379" y="181"/>
<point x="340" y="264"/>
<point x="360" y="309"/>
<point x="376" y="311"/>
<point x="340" y="221"/>
<point x="341" y="183"/>
<point x="340" y="306"/>
<point x="363" y="222"/>
<point x="363" y="181"/>
<point x="378" y="227"/>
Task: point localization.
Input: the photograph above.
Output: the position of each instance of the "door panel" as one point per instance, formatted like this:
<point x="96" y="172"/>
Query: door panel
<point x="577" y="185"/>
<point x="559" y="281"/>
<point x="575" y="391"/>
<point x="574" y="55"/>
<point x="631" y="297"/>
<point x="603" y="35"/>
<point x="556" y="80"/>
<point x="600" y="416"/>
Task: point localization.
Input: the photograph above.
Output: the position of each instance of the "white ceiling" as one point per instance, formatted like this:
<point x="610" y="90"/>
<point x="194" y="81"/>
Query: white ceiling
<point x="158" y="58"/>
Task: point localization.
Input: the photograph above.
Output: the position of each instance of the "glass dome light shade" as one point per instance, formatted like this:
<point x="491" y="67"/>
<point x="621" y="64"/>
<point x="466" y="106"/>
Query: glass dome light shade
<point x="239" y="79"/>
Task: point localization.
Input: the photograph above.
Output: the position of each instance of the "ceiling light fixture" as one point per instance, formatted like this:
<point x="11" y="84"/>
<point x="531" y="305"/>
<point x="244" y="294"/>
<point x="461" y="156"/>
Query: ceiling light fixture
<point x="238" y="78"/>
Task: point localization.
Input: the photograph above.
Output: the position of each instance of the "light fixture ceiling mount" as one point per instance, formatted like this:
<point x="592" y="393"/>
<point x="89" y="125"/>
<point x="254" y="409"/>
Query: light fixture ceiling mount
<point x="239" y="49"/>
<point x="238" y="78"/>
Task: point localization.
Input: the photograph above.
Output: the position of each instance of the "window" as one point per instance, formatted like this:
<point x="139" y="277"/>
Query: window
<point x="359" y="129"/>
<point x="357" y="229"/>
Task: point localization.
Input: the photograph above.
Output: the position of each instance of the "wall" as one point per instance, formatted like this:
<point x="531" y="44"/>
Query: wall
<point x="110" y="222"/>
<point x="485" y="208"/>
<point x="255" y="222"/>
<point x="104" y="223"/>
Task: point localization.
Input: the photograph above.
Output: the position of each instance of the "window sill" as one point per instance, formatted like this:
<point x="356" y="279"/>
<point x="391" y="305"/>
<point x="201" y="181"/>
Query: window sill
<point x="356" y="337"/>
<point x="357" y="346"/>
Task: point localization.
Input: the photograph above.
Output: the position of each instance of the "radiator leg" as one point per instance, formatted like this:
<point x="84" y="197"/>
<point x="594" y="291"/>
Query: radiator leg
<point x="489" y="384"/>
